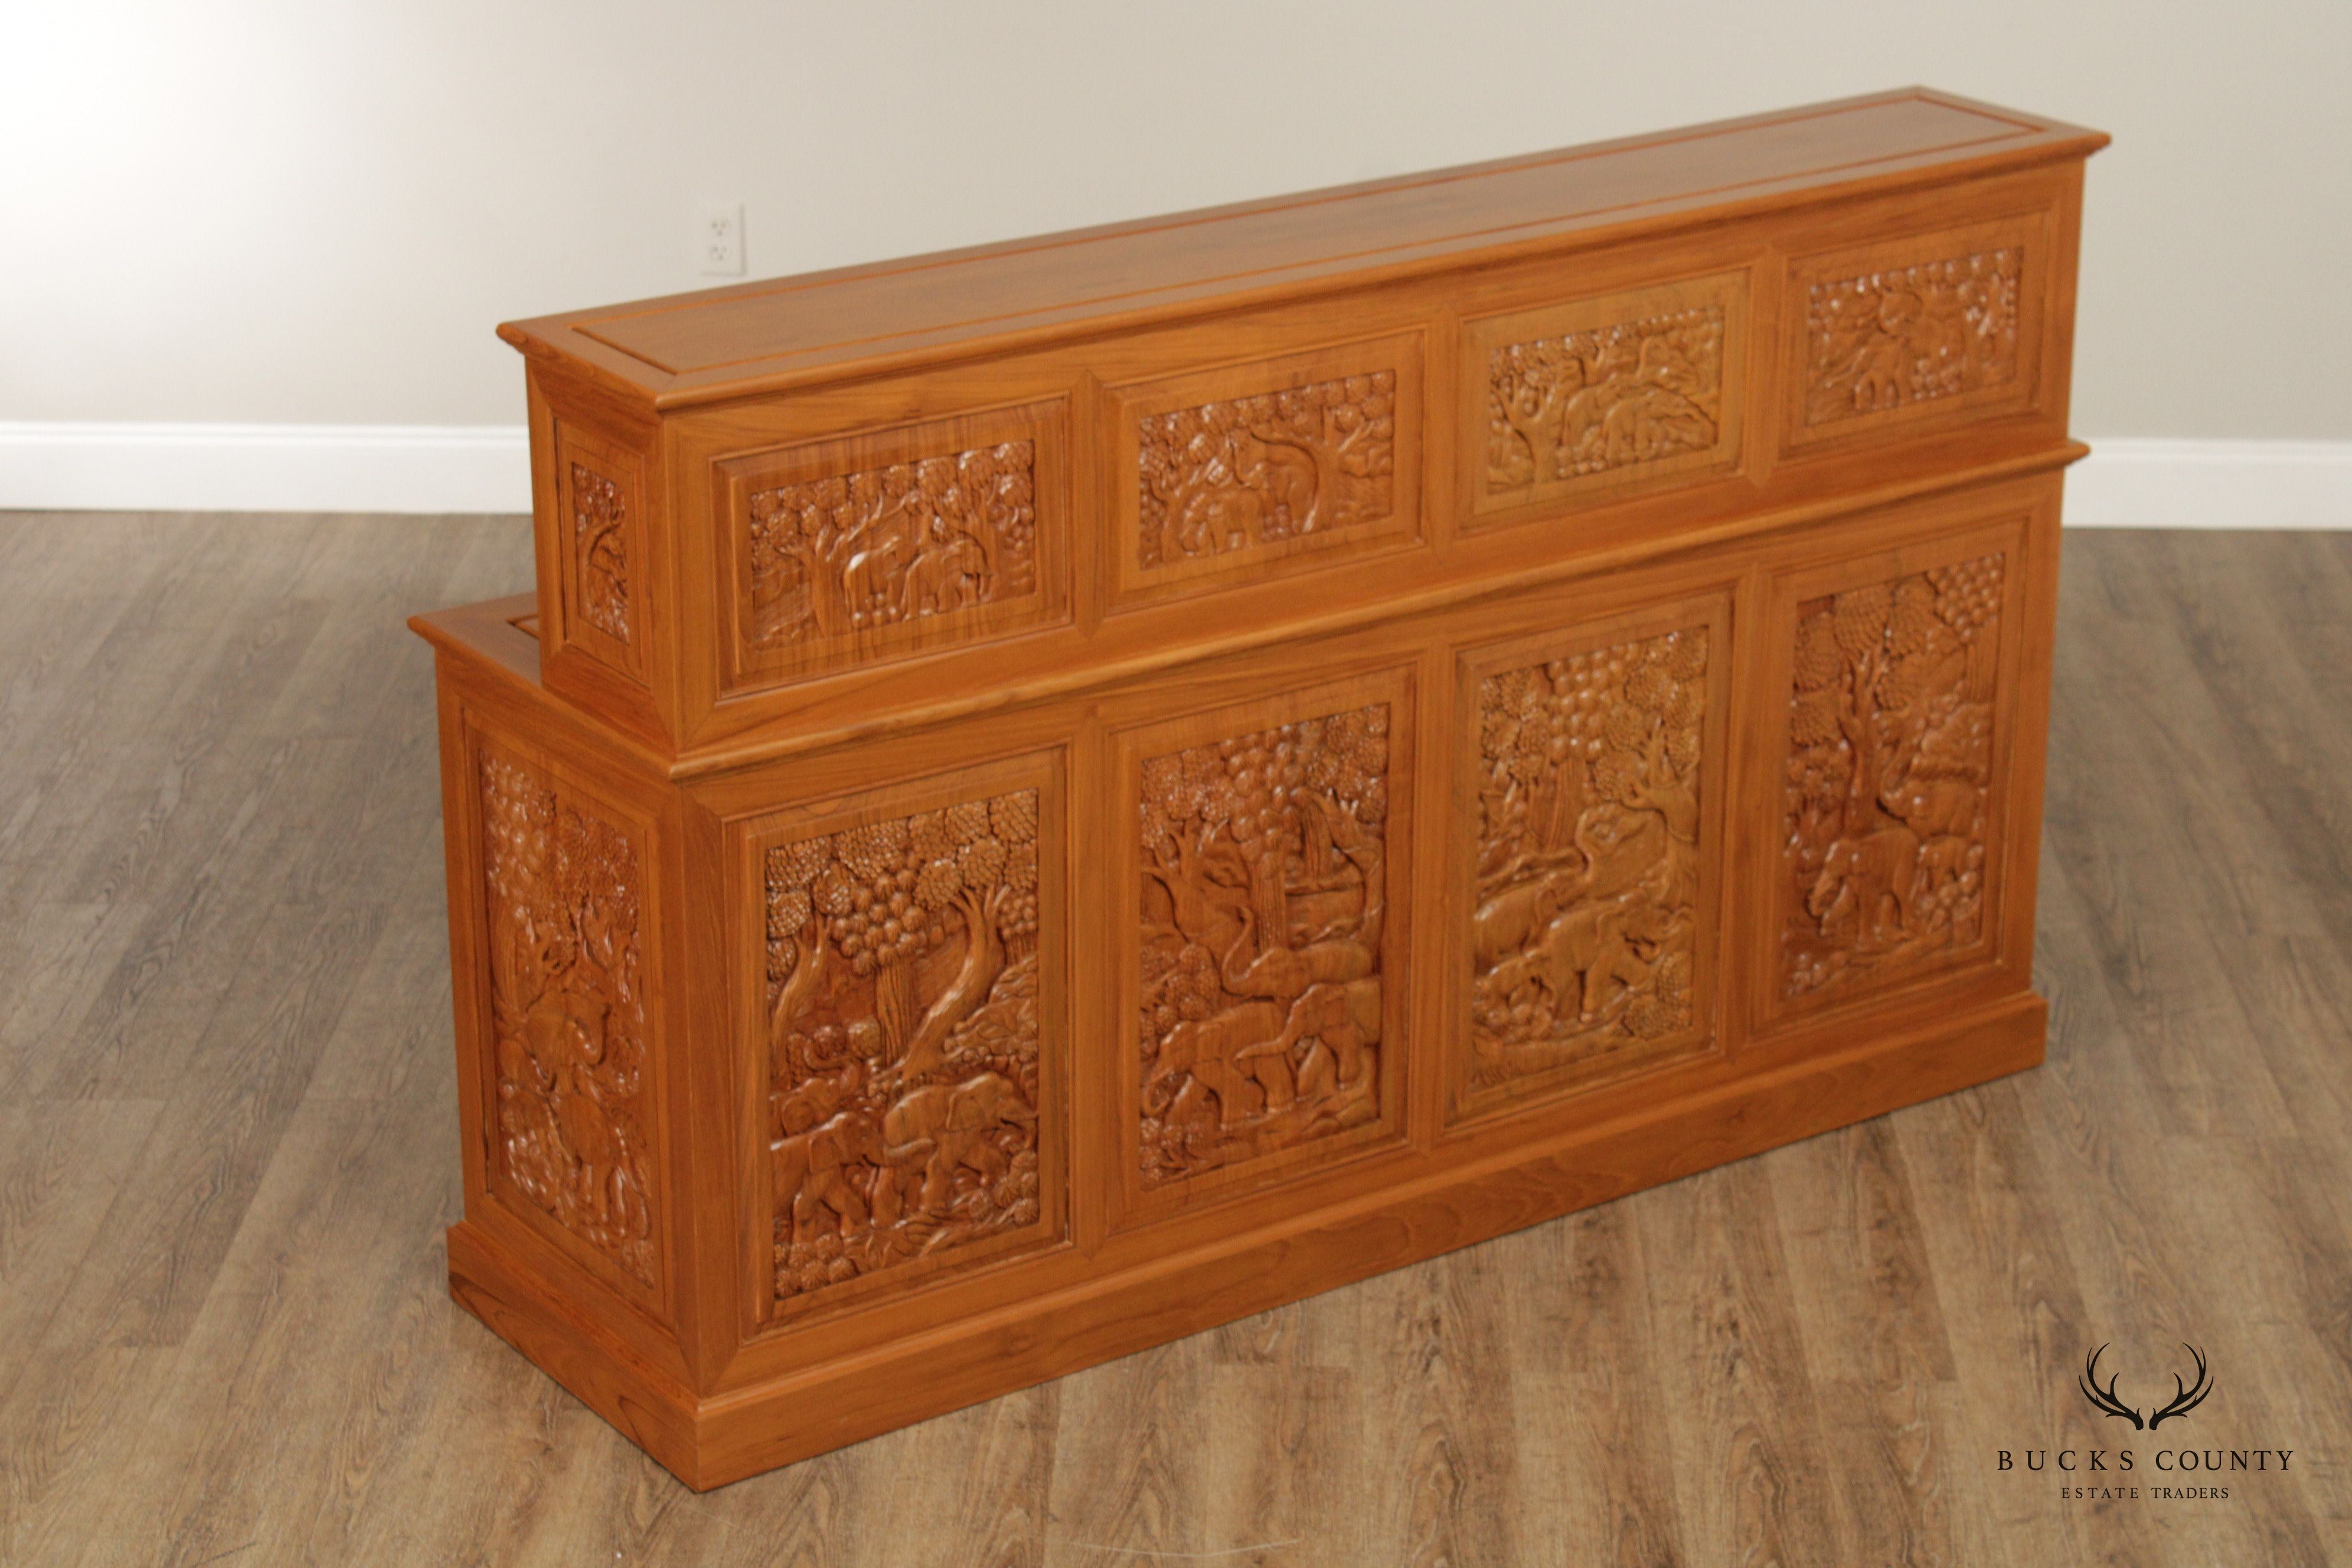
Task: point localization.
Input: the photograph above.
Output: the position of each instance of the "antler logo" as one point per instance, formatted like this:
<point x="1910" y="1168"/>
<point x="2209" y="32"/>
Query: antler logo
<point x="2186" y="1397"/>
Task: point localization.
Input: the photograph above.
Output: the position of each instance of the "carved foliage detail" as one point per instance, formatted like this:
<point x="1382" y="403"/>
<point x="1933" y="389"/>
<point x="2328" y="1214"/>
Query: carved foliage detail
<point x="1257" y="470"/>
<point x="903" y="1039"/>
<point x="600" y="515"/>
<point x="568" y="1011"/>
<point x="1889" y="765"/>
<point x="1604" y="399"/>
<point x="852" y="553"/>
<point x="1887" y="339"/>
<point x="1263" y="892"/>
<point x="1585" y="927"/>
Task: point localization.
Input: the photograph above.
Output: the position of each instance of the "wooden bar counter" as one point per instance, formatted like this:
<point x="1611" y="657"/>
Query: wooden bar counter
<point x="1057" y="794"/>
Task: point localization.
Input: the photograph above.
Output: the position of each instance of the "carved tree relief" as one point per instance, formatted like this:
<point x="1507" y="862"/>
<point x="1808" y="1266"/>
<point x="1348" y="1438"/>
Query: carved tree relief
<point x="568" y="1011"/>
<point x="1256" y="470"/>
<point x="1603" y="398"/>
<point x="903" y="1039"/>
<point x="828" y="557"/>
<point x="601" y="551"/>
<point x="1263" y="901"/>
<point x="1887" y="339"/>
<point x="1891" y="727"/>
<point x="1584" y="933"/>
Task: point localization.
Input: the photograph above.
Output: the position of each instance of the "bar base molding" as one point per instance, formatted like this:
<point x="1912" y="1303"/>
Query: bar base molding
<point x="728" y="1437"/>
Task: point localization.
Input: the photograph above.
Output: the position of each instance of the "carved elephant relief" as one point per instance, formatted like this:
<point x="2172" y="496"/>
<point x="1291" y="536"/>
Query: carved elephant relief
<point x="945" y="1127"/>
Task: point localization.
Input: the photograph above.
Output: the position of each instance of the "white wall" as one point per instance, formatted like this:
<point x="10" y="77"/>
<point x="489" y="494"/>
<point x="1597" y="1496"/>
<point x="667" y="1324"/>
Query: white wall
<point x="293" y="212"/>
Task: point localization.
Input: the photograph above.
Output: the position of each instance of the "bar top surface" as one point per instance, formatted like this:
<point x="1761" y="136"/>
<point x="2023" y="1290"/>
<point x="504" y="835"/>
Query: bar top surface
<point x="768" y="335"/>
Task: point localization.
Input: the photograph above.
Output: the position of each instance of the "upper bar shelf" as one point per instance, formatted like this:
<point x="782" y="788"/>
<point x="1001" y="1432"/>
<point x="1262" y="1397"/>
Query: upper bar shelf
<point x="783" y="512"/>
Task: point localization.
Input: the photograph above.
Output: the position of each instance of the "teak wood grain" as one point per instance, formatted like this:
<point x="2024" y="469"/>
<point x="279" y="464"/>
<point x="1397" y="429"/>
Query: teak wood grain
<point x="1024" y="821"/>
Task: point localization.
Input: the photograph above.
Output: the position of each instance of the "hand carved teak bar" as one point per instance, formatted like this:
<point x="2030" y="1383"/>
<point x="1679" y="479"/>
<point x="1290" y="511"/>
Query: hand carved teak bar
<point x="1057" y="794"/>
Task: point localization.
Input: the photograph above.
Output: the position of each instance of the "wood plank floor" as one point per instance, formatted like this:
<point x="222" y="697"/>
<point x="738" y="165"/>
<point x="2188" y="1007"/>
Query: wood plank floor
<point x="228" y="1151"/>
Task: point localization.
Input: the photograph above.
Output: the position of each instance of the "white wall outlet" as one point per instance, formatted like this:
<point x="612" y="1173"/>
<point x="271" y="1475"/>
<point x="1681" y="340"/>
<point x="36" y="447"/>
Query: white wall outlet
<point x="718" y="239"/>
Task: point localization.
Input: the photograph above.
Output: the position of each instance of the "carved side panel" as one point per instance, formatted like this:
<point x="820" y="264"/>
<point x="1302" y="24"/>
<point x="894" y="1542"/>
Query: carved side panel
<point x="1587" y="909"/>
<point x="1608" y="393"/>
<point x="600" y="539"/>
<point x="600" y="549"/>
<point x="573" y="1112"/>
<point x="907" y="1106"/>
<point x="1929" y="328"/>
<point x="874" y="546"/>
<point x="1264" y="861"/>
<point x="1889" y="776"/>
<point x="1225" y="472"/>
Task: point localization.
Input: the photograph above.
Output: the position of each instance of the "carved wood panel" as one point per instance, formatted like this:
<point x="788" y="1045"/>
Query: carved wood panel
<point x="601" y="550"/>
<point x="1588" y="402"/>
<point x="1264" y="878"/>
<point x="1931" y="326"/>
<point x="906" y="1102"/>
<point x="1889" y="776"/>
<point x="1249" y="471"/>
<point x="1606" y="393"/>
<point x="1909" y="335"/>
<point x="896" y="542"/>
<point x="572" y="1110"/>
<point x="856" y="551"/>
<point x="1225" y="472"/>
<point x="600" y="536"/>
<point x="1588" y="908"/>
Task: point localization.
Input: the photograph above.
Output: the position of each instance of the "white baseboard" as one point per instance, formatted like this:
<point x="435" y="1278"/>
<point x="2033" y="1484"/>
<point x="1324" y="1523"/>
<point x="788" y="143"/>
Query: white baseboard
<point x="2140" y="483"/>
<point x="265" y="468"/>
<point x="2124" y="483"/>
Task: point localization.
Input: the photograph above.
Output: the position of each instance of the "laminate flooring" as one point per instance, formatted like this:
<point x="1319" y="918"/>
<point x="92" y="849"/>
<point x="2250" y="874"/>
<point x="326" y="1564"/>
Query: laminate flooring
<point x="228" y="1151"/>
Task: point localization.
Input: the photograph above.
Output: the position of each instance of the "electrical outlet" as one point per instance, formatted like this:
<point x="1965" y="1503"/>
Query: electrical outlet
<point x="718" y="239"/>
